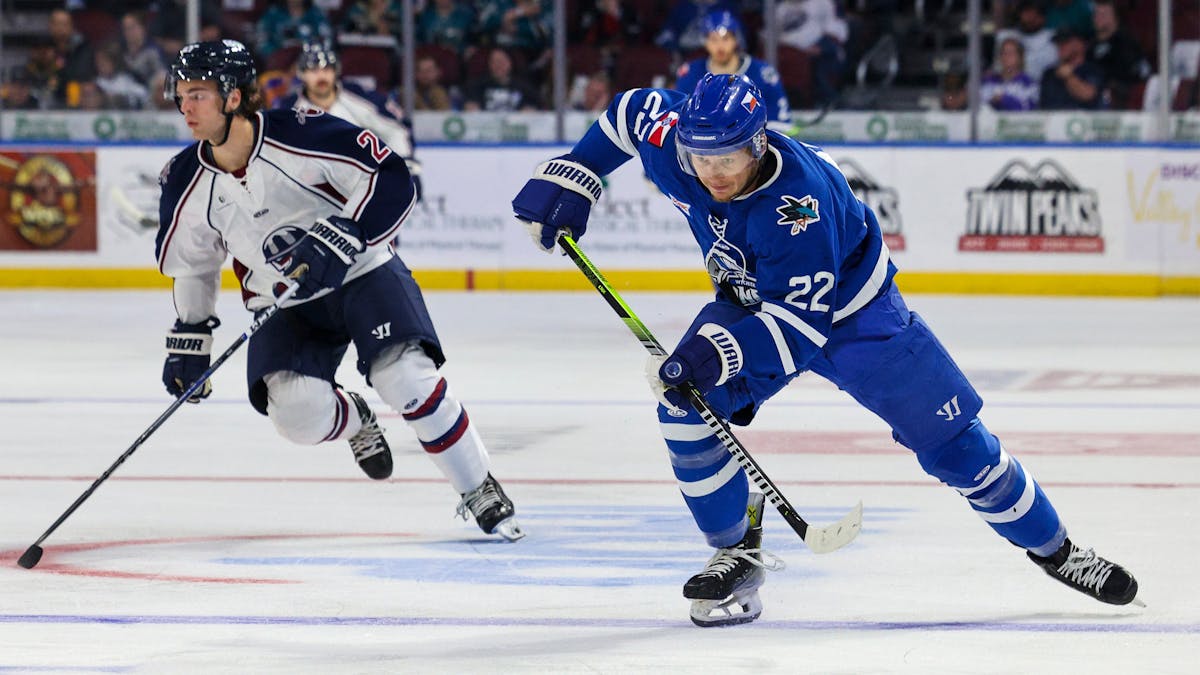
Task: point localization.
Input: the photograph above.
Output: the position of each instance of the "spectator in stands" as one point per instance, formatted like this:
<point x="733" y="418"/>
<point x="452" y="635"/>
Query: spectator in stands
<point x="1117" y="53"/>
<point x="954" y="91"/>
<point x="121" y="89"/>
<point x="1074" y="83"/>
<point x="524" y="25"/>
<point x="289" y="23"/>
<point x="499" y="90"/>
<point x="607" y="24"/>
<point x="1007" y="87"/>
<point x="446" y="23"/>
<point x="169" y="25"/>
<point x="91" y="97"/>
<point x="683" y="31"/>
<point x="725" y="43"/>
<point x="73" y="56"/>
<point x="430" y="94"/>
<point x="19" y="93"/>
<point x="1071" y="15"/>
<point x="596" y="94"/>
<point x="41" y="71"/>
<point x="814" y="27"/>
<point x="143" y="58"/>
<point x="374" y="17"/>
<point x="1038" y="40"/>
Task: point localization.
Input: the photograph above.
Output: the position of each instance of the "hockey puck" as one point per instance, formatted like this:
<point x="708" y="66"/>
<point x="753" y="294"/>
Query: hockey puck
<point x="31" y="557"/>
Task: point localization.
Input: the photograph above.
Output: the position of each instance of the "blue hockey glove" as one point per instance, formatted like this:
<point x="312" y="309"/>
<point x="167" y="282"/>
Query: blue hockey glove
<point x="189" y="350"/>
<point x="707" y="360"/>
<point x="557" y="200"/>
<point x="322" y="258"/>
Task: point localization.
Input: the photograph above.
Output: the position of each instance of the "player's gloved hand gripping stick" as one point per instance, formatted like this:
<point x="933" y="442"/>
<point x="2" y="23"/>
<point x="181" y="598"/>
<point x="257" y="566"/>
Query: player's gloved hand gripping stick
<point x="818" y="539"/>
<point x="34" y="553"/>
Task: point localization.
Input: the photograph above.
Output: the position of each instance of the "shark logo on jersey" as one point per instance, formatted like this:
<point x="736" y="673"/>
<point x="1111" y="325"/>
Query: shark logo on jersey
<point x="279" y="243"/>
<point x="798" y="213"/>
<point x="682" y="206"/>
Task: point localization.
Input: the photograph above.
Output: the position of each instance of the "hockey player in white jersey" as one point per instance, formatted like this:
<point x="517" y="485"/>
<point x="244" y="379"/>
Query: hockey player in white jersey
<point x="301" y="195"/>
<point x="320" y="70"/>
<point x="803" y="281"/>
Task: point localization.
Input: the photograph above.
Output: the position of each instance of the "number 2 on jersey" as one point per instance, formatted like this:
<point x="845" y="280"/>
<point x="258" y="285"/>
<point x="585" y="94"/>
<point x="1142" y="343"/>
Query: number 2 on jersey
<point x="369" y="140"/>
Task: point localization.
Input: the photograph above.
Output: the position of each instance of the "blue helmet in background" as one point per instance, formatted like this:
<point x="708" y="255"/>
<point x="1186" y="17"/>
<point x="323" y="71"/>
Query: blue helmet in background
<point x="318" y="54"/>
<point x="227" y="62"/>
<point x="724" y="21"/>
<point x="724" y="114"/>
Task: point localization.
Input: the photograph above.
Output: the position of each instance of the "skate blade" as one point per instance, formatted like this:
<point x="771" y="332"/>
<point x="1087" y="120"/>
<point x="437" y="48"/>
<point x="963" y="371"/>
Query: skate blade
<point x="716" y="613"/>
<point x="510" y="529"/>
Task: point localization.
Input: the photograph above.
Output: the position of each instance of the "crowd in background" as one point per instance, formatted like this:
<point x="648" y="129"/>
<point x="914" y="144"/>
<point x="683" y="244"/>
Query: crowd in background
<point x="496" y="55"/>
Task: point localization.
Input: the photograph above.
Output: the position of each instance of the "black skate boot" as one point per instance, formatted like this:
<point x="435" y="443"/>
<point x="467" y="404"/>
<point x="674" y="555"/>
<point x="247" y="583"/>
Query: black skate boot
<point x="370" y="448"/>
<point x="731" y="578"/>
<point x="493" y="510"/>
<point x="1088" y="573"/>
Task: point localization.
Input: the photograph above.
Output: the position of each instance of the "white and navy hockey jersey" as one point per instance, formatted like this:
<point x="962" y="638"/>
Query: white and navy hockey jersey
<point x="761" y="73"/>
<point x="367" y="109"/>
<point x="304" y="165"/>
<point x="801" y="250"/>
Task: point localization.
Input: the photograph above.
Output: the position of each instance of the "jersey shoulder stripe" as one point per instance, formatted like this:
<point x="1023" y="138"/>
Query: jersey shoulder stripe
<point x="178" y="178"/>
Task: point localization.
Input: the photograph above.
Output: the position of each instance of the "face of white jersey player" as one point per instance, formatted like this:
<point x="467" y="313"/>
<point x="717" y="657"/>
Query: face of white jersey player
<point x="320" y="85"/>
<point x="203" y="110"/>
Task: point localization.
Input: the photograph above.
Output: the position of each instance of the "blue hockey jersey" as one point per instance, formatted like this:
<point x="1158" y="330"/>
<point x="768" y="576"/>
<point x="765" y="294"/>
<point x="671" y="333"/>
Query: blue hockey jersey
<point x="801" y="251"/>
<point x="765" y="77"/>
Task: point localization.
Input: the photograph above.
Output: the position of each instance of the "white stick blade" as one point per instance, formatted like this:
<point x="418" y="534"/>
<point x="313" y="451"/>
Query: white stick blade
<point x="831" y="538"/>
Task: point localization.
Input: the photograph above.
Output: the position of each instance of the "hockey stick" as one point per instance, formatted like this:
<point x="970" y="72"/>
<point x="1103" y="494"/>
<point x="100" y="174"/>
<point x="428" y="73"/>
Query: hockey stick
<point x="34" y="553"/>
<point x="818" y="539"/>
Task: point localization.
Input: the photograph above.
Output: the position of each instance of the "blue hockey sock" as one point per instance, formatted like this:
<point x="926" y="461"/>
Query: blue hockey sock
<point x="714" y="486"/>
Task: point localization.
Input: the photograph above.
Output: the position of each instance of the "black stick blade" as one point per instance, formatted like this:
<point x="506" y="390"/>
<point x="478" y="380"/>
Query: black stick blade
<point x="31" y="557"/>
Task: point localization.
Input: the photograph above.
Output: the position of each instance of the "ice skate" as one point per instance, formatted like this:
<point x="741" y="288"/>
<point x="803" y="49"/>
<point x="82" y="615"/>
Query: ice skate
<point x="370" y="448"/>
<point x="493" y="510"/>
<point x="726" y="592"/>
<point x="1088" y="573"/>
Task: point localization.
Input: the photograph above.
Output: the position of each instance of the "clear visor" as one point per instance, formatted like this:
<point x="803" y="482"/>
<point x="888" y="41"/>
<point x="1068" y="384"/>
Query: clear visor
<point x="725" y="161"/>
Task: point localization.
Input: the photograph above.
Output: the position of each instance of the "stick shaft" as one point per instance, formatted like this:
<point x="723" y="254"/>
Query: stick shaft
<point x="254" y="326"/>
<point x="718" y="426"/>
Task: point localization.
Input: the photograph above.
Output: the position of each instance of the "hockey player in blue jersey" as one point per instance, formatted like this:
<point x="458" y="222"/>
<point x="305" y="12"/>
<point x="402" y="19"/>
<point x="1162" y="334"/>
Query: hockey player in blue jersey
<point x="726" y="45"/>
<point x="301" y="195"/>
<point x="803" y="282"/>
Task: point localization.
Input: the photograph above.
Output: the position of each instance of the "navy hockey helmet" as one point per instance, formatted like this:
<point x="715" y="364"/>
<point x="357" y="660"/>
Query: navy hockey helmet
<point x="724" y="114"/>
<point x="318" y="54"/>
<point x="724" y="21"/>
<point x="227" y="62"/>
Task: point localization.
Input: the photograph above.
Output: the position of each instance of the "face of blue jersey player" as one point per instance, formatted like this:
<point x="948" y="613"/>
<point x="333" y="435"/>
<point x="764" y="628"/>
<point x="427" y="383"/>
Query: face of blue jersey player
<point x="721" y="135"/>
<point x="723" y="40"/>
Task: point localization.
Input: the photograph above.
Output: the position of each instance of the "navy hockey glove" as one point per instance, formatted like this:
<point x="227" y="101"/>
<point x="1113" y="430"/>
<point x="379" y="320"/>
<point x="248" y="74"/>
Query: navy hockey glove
<point x="322" y="258"/>
<point x="707" y="360"/>
<point x="189" y="350"/>
<point x="414" y="170"/>
<point x="557" y="200"/>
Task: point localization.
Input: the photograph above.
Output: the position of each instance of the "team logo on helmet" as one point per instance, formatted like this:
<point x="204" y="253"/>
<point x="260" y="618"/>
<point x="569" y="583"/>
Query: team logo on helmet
<point x="750" y="101"/>
<point x="280" y="243"/>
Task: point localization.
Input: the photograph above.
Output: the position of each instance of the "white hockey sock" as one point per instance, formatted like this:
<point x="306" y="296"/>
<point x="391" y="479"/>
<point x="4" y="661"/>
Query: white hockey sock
<point x="308" y="410"/>
<point x="407" y="380"/>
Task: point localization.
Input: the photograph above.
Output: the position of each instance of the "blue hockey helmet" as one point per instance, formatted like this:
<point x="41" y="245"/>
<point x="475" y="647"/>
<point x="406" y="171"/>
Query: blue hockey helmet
<point x="723" y="20"/>
<point x="318" y="54"/>
<point x="724" y="114"/>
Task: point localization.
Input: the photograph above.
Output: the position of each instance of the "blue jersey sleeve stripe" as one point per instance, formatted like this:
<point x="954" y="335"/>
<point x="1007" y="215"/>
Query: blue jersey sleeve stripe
<point x="623" y="122"/>
<point x="612" y="135"/>
<point x="781" y="345"/>
<point x="870" y="287"/>
<point x="794" y="321"/>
